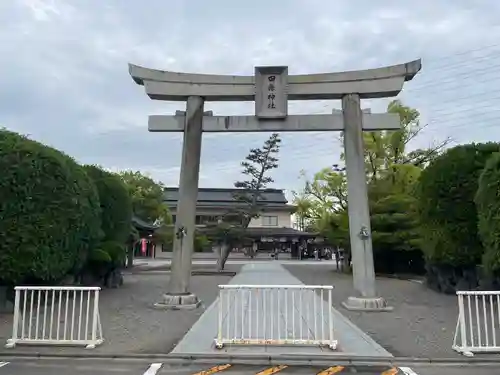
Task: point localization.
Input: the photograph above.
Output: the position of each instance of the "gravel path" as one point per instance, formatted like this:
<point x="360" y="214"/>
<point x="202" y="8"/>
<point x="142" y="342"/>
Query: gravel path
<point x="130" y="323"/>
<point x="421" y="325"/>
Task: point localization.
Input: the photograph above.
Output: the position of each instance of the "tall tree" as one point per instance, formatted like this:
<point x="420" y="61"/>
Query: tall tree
<point x="391" y="168"/>
<point x="327" y="190"/>
<point x="147" y="204"/>
<point x="385" y="154"/>
<point x="386" y="148"/>
<point x="256" y="168"/>
<point x="303" y="209"/>
<point x="116" y="204"/>
<point x="147" y="197"/>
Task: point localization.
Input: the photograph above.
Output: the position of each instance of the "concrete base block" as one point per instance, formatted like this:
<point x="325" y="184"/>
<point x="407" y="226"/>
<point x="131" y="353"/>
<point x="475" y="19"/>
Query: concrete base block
<point x="366" y="304"/>
<point x="188" y="301"/>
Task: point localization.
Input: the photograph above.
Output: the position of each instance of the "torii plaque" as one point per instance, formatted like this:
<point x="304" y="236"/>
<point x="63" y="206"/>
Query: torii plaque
<point x="271" y="88"/>
<point x="271" y="99"/>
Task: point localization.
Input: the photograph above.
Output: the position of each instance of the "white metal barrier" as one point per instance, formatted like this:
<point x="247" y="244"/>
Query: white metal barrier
<point x="275" y="315"/>
<point x="56" y="315"/>
<point x="478" y="324"/>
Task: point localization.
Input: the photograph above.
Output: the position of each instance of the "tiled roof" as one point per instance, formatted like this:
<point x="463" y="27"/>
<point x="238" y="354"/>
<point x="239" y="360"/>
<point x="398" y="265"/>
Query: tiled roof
<point x="270" y="232"/>
<point x="277" y="231"/>
<point x="225" y="197"/>
<point x="139" y="223"/>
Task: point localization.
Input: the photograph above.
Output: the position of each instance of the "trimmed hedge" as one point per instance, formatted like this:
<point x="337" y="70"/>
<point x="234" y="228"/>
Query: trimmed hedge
<point x="49" y="212"/>
<point x="116" y="204"/>
<point x="116" y="252"/>
<point x="488" y="210"/>
<point x="395" y="235"/>
<point x="446" y="207"/>
<point x="106" y="258"/>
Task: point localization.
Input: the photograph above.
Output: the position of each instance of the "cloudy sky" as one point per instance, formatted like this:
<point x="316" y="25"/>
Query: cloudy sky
<point x="64" y="76"/>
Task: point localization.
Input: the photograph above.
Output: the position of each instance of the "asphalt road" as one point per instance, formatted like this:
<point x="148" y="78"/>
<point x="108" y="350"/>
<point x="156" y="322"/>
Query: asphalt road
<point x="125" y="367"/>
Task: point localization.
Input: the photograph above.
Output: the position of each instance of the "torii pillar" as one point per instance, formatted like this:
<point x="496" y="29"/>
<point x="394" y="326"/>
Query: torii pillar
<point x="271" y="88"/>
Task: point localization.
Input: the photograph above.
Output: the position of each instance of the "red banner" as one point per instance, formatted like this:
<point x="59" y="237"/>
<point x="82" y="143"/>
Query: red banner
<point x="143" y="246"/>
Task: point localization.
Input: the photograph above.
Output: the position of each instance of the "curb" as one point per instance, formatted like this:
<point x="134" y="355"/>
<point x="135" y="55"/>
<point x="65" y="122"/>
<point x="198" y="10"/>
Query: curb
<point x="402" y="277"/>
<point x="251" y="359"/>
<point x="213" y="273"/>
<point x="158" y="270"/>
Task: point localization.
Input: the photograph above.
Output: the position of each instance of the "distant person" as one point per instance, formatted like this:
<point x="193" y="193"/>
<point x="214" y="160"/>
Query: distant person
<point x="328" y="254"/>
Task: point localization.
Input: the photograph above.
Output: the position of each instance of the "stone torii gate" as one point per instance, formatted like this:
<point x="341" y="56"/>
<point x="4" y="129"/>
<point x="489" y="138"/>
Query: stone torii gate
<point x="271" y="88"/>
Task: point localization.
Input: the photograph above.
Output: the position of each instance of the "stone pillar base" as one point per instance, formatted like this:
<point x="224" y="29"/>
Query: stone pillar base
<point x="366" y="304"/>
<point x="187" y="301"/>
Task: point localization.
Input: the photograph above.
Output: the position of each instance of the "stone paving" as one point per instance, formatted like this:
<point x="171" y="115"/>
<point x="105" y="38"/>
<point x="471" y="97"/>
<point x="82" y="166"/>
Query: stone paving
<point x="421" y="325"/>
<point x="300" y="317"/>
<point x="210" y="264"/>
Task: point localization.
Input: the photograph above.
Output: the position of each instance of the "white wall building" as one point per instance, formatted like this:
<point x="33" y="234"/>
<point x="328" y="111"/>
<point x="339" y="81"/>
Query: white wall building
<point x="214" y="202"/>
<point x="271" y="231"/>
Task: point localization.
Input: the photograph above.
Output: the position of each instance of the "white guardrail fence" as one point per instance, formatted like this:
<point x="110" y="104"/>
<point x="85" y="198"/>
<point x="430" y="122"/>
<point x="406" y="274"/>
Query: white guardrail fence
<point x="478" y="325"/>
<point x="56" y="315"/>
<point x="275" y="315"/>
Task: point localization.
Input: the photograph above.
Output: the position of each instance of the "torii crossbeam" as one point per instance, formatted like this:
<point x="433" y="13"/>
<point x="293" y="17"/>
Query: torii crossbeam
<point x="271" y="88"/>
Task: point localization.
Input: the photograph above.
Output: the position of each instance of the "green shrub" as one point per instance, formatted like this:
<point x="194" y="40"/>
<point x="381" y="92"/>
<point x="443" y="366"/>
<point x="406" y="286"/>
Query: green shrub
<point x="116" y="252"/>
<point x="201" y="242"/>
<point x="488" y="211"/>
<point x="446" y="207"/>
<point x="396" y="236"/>
<point x="116" y="204"/>
<point x="335" y="228"/>
<point x="49" y="212"/>
<point x="394" y="224"/>
<point x="99" y="263"/>
<point x="99" y="256"/>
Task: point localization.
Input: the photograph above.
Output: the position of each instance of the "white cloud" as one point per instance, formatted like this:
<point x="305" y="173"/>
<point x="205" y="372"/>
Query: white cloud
<point x="65" y="78"/>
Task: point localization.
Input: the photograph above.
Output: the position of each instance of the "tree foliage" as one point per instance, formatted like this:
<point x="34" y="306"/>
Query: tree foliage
<point x="446" y="207"/>
<point x="395" y="235"/>
<point x="328" y="189"/>
<point x="256" y="167"/>
<point x="386" y="148"/>
<point x="399" y="179"/>
<point x="116" y="204"/>
<point x="147" y="197"/>
<point x="303" y="210"/>
<point x="335" y="228"/>
<point x="392" y="170"/>
<point x="102" y="261"/>
<point x="164" y="235"/>
<point x="49" y="212"/>
<point x="394" y="223"/>
<point x="488" y="210"/>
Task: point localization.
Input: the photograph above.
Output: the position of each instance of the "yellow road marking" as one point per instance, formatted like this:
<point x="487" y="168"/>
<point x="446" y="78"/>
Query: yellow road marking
<point x="213" y="370"/>
<point x="272" y="370"/>
<point x="331" y="370"/>
<point x="391" y="371"/>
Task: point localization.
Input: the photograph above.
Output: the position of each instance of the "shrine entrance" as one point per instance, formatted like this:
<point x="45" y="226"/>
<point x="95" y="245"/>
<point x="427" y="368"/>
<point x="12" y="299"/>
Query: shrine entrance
<point x="271" y="88"/>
